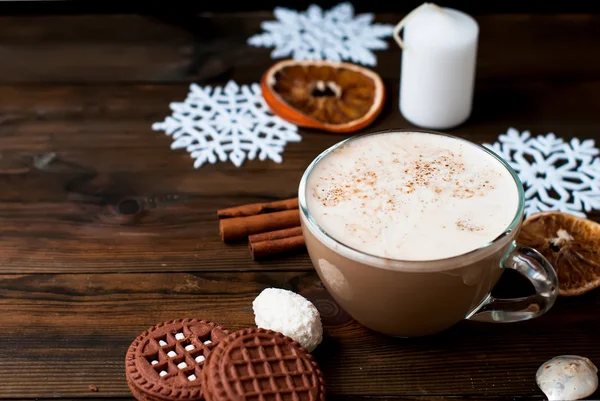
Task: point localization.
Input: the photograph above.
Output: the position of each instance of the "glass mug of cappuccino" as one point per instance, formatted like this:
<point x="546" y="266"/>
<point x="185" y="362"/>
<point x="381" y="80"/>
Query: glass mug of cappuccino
<point x="410" y="231"/>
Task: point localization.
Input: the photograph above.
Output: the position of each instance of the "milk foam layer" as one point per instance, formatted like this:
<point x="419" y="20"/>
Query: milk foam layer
<point x="411" y="196"/>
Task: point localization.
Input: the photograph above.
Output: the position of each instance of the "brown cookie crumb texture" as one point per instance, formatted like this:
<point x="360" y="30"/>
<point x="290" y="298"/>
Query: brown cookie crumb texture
<point x="255" y="361"/>
<point x="165" y="362"/>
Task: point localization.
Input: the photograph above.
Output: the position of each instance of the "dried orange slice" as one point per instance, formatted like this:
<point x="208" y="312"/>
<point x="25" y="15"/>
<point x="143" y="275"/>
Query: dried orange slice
<point x="571" y="244"/>
<point x="334" y="97"/>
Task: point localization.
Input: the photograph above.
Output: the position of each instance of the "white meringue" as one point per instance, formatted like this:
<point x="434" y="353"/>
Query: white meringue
<point x="290" y="314"/>
<point x="567" y="377"/>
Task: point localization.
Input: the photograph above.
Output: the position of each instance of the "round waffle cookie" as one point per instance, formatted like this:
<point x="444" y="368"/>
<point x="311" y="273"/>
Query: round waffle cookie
<point x="261" y="365"/>
<point x="165" y="362"/>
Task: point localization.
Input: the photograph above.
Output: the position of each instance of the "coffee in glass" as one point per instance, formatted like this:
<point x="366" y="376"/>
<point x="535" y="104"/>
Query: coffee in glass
<point x="411" y="230"/>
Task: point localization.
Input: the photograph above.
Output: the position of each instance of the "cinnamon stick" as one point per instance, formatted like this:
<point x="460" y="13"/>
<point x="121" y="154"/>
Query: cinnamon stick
<point x="253" y="209"/>
<point x="240" y="227"/>
<point x="273" y="235"/>
<point x="263" y="249"/>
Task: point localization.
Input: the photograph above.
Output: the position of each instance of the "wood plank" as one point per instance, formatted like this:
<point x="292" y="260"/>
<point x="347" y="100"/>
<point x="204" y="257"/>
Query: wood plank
<point x="61" y="333"/>
<point x="43" y="117"/>
<point x="542" y="70"/>
<point x="184" y="47"/>
<point x="75" y="48"/>
<point x="59" y="217"/>
<point x="160" y="7"/>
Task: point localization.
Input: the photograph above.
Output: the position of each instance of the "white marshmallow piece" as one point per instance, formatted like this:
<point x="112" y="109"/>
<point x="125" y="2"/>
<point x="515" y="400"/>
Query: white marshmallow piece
<point x="189" y="347"/>
<point x="182" y="365"/>
<point x="162" y="343"/>
<point x="162" y="373"/>
<point x="172" y="354"/>
<point x="200" y="358"/>
<point x="154" y="362"/>
<point x="179" y="336"/>
<point x="192" y="377"/>
<point x="290" y="314"/>
<point x="207" y="342"/>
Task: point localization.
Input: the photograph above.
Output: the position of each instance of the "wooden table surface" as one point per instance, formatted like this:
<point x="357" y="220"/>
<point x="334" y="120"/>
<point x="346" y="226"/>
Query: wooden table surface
<point x="77" y="286"/>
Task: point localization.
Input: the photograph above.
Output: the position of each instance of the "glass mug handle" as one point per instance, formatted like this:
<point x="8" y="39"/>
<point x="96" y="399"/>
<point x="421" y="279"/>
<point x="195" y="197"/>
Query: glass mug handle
<point x="531" y="264"/>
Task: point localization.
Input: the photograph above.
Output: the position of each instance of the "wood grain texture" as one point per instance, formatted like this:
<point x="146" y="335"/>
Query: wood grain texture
<point x="185" y="47"/>
<point x="61" y="333"/>
<point x="80" y="278"/>
<point x="60" y="217"/>
<point x="161" y="7"/>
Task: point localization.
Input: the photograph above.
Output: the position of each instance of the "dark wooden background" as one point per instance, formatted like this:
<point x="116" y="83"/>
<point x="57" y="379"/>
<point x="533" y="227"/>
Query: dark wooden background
<point x="77" y="285"/>
<point x="183" y="6"/>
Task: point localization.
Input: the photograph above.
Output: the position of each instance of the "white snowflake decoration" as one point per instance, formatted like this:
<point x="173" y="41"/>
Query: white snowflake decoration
<point x="231" y="122"/>
<point x="333" y="35"/>
<point x="557" y="175"/>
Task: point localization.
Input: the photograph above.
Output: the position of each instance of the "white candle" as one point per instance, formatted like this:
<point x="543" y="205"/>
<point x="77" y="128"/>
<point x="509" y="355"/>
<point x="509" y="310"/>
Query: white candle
<point x="438" y="66"/>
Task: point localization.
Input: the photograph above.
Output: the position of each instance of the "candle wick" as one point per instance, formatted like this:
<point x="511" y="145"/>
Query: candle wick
<point x="404" y="20"/>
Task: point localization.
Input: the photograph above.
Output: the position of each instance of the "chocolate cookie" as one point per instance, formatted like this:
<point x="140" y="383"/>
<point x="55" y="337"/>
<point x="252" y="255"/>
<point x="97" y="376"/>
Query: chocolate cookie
<point x="260" y="365"/>
<point x="165" y="362"/>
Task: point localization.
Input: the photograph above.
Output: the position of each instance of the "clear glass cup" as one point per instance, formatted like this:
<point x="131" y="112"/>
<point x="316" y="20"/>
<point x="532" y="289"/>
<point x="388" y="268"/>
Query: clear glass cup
<point x="416" y="298"/>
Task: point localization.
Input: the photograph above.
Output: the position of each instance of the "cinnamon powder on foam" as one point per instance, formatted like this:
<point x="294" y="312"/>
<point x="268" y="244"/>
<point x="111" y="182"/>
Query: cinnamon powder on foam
<point x="412" y="196"/>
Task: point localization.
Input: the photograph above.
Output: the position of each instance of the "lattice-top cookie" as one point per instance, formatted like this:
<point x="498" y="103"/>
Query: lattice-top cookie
<point x="165" y="362"/>
<point x="261" y="365"/>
